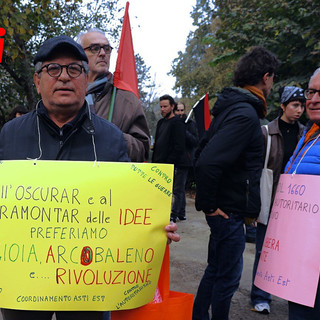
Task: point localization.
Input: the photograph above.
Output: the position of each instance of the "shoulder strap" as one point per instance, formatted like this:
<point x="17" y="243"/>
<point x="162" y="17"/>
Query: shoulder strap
<point x="268" y="147"/>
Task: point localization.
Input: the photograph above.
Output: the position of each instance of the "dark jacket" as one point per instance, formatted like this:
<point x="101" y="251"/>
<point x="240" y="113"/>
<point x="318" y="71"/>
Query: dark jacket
<point x="128" y="116"/>
<point x="170" y="145"/>
<point x="275" y="162"/>
<point x="39" y="137"/>
<point x="228" y="168"/>
<point x="191" y="142"/>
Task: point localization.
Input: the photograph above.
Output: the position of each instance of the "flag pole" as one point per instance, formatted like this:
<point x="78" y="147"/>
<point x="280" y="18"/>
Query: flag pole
<point x="189" y="114"/>
<point x="113" y="98"/>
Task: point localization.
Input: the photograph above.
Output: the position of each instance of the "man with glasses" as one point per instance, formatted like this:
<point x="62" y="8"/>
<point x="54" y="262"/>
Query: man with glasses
<point x="62" y="127"/>
<point x="128" y="114"/>
<point x="306" y="161"/>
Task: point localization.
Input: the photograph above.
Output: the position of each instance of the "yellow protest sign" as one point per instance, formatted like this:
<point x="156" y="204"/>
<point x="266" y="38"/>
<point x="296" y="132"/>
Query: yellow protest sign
<point x="81" y="235"/>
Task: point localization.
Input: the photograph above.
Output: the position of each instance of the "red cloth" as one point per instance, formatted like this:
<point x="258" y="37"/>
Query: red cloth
<point x="207" y="118"/>
<point x="175" y="305"/>
<point x="202" y="115"/>
<point x="125" y="75"/>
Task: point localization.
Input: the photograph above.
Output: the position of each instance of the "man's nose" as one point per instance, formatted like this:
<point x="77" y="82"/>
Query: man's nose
<point x="101" y="52"/>
<point x="64" y="76"/>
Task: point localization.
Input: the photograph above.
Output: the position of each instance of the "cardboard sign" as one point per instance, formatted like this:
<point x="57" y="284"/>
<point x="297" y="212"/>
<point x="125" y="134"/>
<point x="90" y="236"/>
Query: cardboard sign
<point x="290" y="259"/>
<point x="81" y="235"/>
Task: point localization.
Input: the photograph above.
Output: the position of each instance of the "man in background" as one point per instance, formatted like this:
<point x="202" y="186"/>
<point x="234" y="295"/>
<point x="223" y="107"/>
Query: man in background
<point x="228" y="170"/>
<point x="17" y="112"/>
<point x="187" y="159"/>
<point x="128" y="114"/>
<point x="170" y="147"/>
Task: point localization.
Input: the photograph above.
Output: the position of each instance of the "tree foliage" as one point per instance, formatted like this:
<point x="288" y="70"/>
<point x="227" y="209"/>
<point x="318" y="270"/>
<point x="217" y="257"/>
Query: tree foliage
<point x="146" y="84"/>
<point x="226" y="29"/>
<point x="290" y="29"/>
<point x="193" y="71"/>
<point x="147" y="91"/>
<point x="29" y="23"/>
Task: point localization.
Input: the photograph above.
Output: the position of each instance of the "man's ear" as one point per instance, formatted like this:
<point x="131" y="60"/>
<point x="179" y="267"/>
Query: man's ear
<point x="36" y="80"/>
<point x="265" y="77"/>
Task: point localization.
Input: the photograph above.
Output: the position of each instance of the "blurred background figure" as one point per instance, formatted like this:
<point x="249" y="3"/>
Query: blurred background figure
<point x="191" y="145"/>
<point x="18" y="111"/>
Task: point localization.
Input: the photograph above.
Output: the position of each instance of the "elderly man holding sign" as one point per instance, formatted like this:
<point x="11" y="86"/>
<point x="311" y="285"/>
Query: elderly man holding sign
<point x="62" y="128"/>
<point x="306" y="160"/>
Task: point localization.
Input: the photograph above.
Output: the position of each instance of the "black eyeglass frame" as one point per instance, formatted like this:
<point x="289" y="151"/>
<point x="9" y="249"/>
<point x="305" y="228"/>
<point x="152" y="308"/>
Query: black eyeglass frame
<point x="61" y="68"/>
<point x="106" y="47"/>
<point x="307" y="92"/>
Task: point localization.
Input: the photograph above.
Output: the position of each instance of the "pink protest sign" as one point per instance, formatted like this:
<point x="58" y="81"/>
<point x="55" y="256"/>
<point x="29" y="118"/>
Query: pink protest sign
<point x="290" y="259"/>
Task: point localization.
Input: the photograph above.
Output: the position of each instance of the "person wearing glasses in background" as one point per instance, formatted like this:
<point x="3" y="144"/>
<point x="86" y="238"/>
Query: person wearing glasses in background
<point x="62" y="127"/>
<point x="285" y="132"/>
<point x="187" y="159"/>
<point x="128" y="114"/>
<point x="306" y="160"/>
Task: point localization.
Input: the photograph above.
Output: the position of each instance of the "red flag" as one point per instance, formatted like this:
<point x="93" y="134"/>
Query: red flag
<point x="125" y="75"/>
<point x="202" y="114"/>
<point x="2" y="33"/>
<point x="207" y="118"/>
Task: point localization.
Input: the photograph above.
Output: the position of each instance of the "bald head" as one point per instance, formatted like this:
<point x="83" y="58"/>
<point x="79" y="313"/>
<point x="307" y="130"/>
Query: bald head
<point x="99" y="62"/>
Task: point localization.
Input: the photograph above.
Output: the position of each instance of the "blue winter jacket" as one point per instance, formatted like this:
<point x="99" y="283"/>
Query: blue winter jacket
<point x="36" y="136"/>
<point x="306" y="158"/>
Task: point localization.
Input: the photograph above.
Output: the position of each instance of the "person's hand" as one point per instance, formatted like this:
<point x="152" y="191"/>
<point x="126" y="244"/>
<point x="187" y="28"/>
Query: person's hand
<point x="171" y="232"/>
<point x="218" y="212"/>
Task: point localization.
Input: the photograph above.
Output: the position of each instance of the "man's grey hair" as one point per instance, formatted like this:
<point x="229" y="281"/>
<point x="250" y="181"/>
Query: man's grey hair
<point x="81" y="34"/>
<point x="85" y="65"/>
<point x="314" y="74"/>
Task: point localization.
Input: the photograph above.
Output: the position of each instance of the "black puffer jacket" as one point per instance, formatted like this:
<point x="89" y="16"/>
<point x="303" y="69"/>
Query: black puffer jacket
<point x="229" y="164"/>
<point x="170" y="141"/>
<point x="191" y="134"/>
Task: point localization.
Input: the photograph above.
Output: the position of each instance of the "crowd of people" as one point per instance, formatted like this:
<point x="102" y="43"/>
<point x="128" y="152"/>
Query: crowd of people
<point x="75" y="85"/>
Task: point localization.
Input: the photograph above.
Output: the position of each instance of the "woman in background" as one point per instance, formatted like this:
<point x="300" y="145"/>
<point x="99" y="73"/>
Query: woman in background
<point x="285" y="132"/>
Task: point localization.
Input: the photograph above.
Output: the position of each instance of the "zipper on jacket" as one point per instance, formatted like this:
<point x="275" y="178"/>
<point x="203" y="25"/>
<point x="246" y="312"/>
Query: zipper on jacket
<point x="295" y="156"/>
<point x="61" y="136"/>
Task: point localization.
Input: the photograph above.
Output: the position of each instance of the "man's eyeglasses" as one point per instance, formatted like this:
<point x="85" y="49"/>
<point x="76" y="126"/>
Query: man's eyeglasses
<point x="54" y="69"/>
<point x="309" y="93"/>
<point x="95" y="48"/>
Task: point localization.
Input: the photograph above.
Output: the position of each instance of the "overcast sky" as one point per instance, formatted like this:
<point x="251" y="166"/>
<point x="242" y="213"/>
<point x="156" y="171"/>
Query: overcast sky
<point x="159" y="32"/>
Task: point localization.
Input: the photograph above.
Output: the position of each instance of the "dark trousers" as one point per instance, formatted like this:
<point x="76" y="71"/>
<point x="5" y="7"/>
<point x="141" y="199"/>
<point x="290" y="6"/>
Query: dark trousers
<point x="9" y="314"/>
<point x="222" y="275"/>
<point x="258" y="295"/>
<point x="179" y="192"/>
